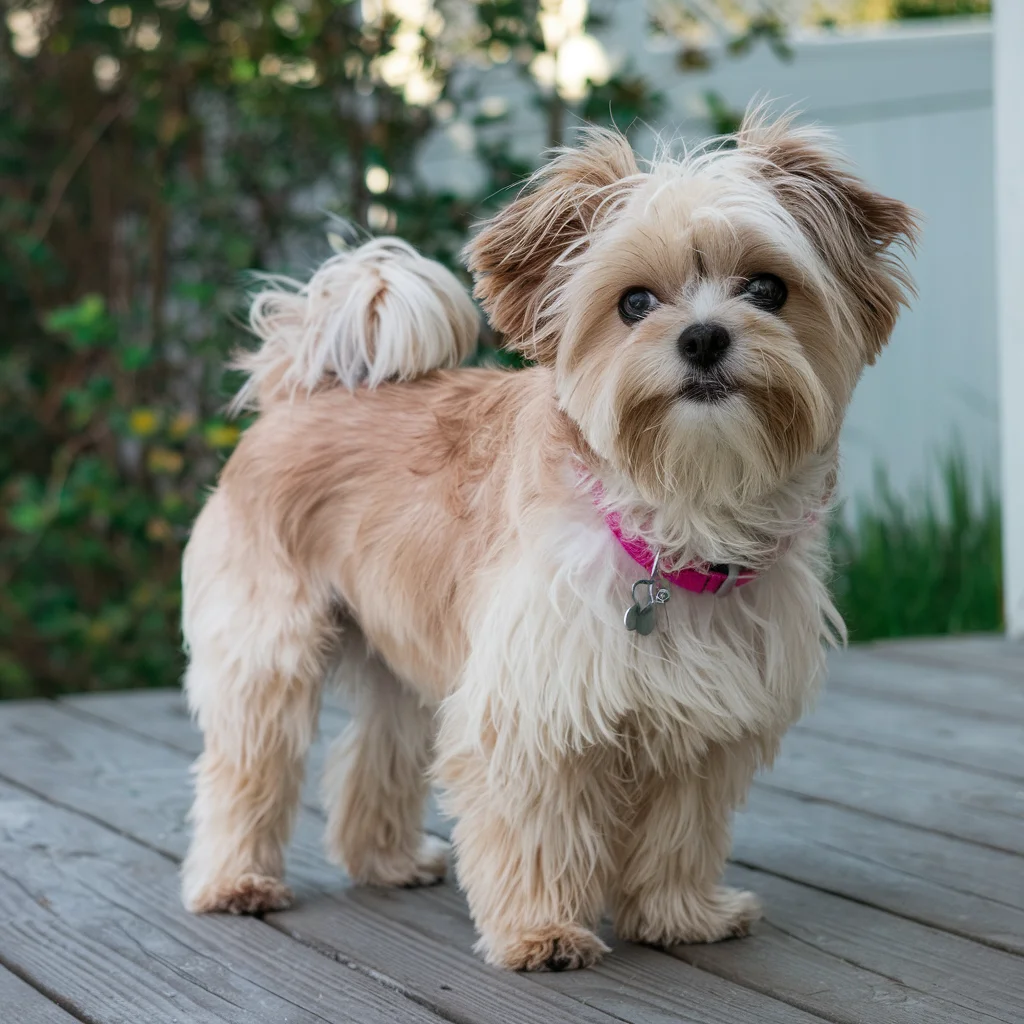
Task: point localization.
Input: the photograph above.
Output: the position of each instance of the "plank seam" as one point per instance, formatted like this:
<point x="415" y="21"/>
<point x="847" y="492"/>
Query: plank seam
<point x="889" y="977"/>
<point x="46" y="993"/>
<point x="916" y="701"/>
<point x="934" y="926"/>
<point x="43" y="798"/>
<point x="805" y="798"/>
<point x="808" y="727"/>
<point x="370" y="972"/>
<point x="984" y="666"/>
<point x="47" y="799"/>
<point x="191" y="978"/>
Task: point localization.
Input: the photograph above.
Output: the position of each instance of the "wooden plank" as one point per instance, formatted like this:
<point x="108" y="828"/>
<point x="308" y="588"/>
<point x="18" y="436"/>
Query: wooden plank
<point x="843" y="958"/>
<point x="95" y="919"/>
<point x="957" y="886"/>
<point x="938" y="734"/>
<point x="943" y="798"/>
<point x="87" y="766"/>
<point x="136" y="786"/>
<point x="395" y="921"/>
<point x="935" y="879"/>
<point x="846" y="992"/>
<point x="969" y="691"/>
<point x="802" y="954"/>
<point x="22" y="1004"/>
<point x="163" y="715"/>
<point x="635" y="984"/>
<point x="985" y="652"/>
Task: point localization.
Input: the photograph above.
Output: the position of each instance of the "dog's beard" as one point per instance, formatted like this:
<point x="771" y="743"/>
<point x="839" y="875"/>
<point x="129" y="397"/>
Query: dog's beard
<point x="722" y="436"/>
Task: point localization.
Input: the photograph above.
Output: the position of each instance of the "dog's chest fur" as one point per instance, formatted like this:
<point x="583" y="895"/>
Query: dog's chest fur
<point x="551" y="659"/>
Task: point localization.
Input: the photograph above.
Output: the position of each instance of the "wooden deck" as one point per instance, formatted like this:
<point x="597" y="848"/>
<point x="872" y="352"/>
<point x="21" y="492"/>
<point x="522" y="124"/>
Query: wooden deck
<point x="888" y="846"/>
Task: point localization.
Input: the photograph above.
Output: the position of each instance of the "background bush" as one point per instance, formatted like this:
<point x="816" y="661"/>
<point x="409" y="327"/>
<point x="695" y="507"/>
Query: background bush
<point x="150" y="152"/>
<point x="931" y="564"/>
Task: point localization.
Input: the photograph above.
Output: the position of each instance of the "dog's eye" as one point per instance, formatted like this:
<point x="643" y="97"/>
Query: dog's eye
<point x="767" y="292"/>
<point x="636" y="304"/>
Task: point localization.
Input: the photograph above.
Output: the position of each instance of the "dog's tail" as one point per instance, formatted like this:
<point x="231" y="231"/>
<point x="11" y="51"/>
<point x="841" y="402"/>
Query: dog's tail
<point x="374" y="313"/>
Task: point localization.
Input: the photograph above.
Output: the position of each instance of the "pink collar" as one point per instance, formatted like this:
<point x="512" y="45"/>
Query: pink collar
<point x="709" y="579"/>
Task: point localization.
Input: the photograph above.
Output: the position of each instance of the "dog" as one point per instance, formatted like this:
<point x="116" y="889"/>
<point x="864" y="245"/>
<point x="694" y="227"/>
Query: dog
<point x="588" y="597"/>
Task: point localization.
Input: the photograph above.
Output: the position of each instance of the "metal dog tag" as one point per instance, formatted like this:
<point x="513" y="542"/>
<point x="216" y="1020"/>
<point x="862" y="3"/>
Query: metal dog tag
<point x="639" y="617"/>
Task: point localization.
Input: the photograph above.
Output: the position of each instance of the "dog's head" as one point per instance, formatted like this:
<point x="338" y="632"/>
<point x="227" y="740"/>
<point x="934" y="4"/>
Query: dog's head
<point x="706" y="319"/>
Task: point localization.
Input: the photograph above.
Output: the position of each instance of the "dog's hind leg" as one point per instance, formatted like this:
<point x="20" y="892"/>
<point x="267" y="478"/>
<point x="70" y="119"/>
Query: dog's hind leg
<point x="375" y="784"/>
<point x="258" y="635"/>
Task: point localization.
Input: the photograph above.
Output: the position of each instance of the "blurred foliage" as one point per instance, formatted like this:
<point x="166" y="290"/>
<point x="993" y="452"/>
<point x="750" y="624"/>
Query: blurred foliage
<point x="919" y="567"/>
<point x="151" y="151"/>
<point x="940" y="8"/>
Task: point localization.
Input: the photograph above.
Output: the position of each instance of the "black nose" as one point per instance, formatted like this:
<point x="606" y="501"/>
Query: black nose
<point x="704" y="344"/>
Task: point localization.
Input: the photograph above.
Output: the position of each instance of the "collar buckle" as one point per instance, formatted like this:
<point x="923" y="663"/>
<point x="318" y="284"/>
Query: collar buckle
<point x="729" y="583"/>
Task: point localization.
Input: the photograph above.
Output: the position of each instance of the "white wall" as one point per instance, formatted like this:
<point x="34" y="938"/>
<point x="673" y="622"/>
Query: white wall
<point x="912" y="106"/>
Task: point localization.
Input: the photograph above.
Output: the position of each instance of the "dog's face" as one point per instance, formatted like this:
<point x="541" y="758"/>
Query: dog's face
<point x="707" y="320"/>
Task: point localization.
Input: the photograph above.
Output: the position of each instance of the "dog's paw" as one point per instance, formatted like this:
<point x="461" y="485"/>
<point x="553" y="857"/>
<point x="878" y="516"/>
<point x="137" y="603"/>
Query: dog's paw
<point x="558" y="948"/>
<point x="246" y="894"/>
<point x="725" y="914"/>
<point x="400" y="870"/>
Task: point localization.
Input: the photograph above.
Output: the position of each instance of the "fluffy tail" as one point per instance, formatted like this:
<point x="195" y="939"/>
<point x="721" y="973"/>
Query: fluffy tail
<point x="374" y="313"/>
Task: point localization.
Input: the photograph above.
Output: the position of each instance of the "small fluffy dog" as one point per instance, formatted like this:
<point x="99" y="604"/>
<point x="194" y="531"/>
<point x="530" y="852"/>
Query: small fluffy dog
<point x="589" y="597"/>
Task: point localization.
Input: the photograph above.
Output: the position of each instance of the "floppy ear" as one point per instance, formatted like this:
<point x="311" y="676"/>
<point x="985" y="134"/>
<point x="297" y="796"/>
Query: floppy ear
<point x="518" y="258"/>
<point x="858" y="231"/>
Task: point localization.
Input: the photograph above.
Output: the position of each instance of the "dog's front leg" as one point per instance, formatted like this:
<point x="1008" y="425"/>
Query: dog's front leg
<point x="673" y="852"/>
<point x="531" y="854"/>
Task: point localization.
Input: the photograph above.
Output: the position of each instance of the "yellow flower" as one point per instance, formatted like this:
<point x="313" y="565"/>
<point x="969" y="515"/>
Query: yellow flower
<point x="164" y="460"/>
<point x="181" y="425"/>
<point x="143" y="422"/>
<point x="99" y="631"/>
<point x="221" y="436"/>
<point x="156" y="530"/>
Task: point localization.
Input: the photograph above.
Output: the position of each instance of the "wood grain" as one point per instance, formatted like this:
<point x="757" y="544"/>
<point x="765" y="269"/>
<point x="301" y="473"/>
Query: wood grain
<point x="855" y="963"/>
<point x="87" y="766"/>
<point x="943" y="798"/>
<point x="989" y="653"/>
<point x="854" y="991"/>
<point x="22" y="1004"/>
<point x="95" y="919"/>
<point x="936" y="735"/>
<point x="966" y="687"/>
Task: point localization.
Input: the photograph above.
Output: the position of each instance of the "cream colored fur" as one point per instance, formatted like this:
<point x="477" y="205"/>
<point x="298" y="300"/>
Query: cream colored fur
<point x="436" y="543"/>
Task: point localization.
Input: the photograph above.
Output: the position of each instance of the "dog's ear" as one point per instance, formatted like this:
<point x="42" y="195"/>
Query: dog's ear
<point x="858" y="231"/>
<point x="519" y="257"/>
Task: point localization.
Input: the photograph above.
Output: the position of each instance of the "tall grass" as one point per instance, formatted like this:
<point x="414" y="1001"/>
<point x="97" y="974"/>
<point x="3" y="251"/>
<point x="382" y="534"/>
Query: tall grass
<point x="922" y="565"/>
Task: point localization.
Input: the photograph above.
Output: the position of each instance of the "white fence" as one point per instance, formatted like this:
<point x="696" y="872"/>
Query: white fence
<point x="913" y="109"/>
<point x="912" y="106"/>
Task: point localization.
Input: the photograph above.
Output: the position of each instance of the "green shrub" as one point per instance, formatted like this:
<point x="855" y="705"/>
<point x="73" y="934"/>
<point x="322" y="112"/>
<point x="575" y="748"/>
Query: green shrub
<point x="919" y="567"/>
<point x="915" y="9"/>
